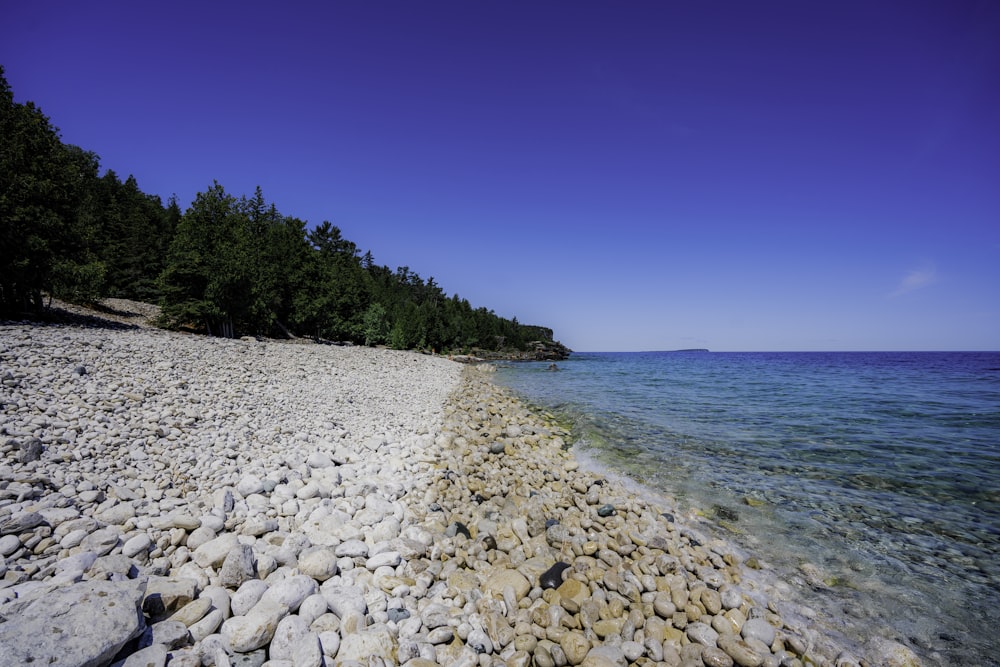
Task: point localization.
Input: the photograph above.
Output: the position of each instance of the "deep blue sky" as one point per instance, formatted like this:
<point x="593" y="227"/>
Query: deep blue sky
<point x="772" y="175"/>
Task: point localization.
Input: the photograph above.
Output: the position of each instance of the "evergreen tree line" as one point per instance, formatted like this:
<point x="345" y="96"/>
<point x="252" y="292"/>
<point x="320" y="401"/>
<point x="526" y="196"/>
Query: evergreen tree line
<point x="227" y="266"/>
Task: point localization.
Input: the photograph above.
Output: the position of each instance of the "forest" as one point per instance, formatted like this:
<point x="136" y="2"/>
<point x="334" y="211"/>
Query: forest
<point x="227" y="266"/>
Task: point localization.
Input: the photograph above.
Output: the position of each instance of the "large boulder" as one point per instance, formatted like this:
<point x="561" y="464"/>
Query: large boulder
<point x="82" y="625"/>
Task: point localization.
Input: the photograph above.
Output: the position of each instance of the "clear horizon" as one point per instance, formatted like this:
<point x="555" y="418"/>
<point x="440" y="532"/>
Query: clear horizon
<point x="776" y="176"/>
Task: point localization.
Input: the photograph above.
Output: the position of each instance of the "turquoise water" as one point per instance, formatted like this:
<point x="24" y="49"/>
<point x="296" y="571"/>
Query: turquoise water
<point x="882" y="470"/>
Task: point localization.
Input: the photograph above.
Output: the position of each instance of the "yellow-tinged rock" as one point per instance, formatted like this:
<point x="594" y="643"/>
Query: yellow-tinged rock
<point x="608" y="627"/>
<point x="575" y="646"/>
<point x="501" y="577"/>
<point x="572" y="594"/>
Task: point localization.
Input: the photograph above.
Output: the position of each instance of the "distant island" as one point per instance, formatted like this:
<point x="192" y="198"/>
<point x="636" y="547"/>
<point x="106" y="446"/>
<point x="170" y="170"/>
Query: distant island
<point x="691" y="349"/>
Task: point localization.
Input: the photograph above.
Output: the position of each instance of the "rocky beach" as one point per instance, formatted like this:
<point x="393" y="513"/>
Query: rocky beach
<point x="174" y="499"/>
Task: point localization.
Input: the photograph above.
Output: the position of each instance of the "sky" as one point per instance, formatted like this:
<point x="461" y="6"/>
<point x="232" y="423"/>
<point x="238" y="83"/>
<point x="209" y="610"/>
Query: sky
<point x="772" y="175"/>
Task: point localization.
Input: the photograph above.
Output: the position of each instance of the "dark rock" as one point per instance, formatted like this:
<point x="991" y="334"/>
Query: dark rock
<point x="456" y="528"/>
<point x="489" y="543"/>
<point x="606" y="510"/>
<point x="552" y="577"/>
<point x="434" y="507"/>
<point x="80" y="370"/>
<point x="551" y="522"/>
<point x="30" y="451"/>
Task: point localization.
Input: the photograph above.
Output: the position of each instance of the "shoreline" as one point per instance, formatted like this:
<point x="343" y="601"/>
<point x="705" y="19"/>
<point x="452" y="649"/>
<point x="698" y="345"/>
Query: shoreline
<point x="313" y="505"/>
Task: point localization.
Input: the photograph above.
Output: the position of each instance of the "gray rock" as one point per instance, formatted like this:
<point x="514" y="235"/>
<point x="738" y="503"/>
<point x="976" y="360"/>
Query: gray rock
<point x="117" y="514"/>
<point x="139" y="544"/>
<point x="101" y="541"/>
<point x="21" y="522"/>
<point x="154" y="655"/>
<point x="239" y="566"/>
<point x="9" y="544"/>
<point x="172" y="634"/>
<point x="214" y="552"/>
<point x="30" y="451"/>
<point x="166" y="595"/>
<point x="85" y="624"/>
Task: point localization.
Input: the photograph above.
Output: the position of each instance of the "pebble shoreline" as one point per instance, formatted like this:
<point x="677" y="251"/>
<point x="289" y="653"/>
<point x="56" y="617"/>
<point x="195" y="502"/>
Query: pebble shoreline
<point x="175" y="499"/>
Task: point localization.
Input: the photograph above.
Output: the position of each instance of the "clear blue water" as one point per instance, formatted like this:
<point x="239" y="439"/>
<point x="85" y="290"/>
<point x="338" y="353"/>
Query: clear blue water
<point x="881" y="469"/>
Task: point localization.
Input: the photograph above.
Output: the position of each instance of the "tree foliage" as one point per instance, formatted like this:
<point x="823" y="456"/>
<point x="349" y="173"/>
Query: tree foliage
<point x="227" y="266"/>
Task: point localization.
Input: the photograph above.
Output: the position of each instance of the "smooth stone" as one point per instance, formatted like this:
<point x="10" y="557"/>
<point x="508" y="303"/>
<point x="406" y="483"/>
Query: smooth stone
<point x="154" y="655"/>
<point x="291" y="591"/>
<point x="136" y="545"/>
<point x="605" y="510"/>
<point x="313" y="607"/>
<point x="214" y="552"/>
<point x="351" y="549"/>
<point x="192" y="612"/>
<point x="575" y="646"/>
<point x="249" y="485"/>
<point x="572" y="595"/>
<point x="741" y="652"/>
<point x="319" y="460"/>
<point x="318" y="562"/>
<point x="553" y="577"/>
<point x="185" y="522"/>
<point x="479" y="641"/>
<point x="605" y="656"/>
<point x="701" y="633"/>
<point x="248" y="594"/>
<point x="81" y="561"/>
<point x="291" y="630"/>
<point x="384" y="559"/>
<point x="759" y="629"/>
<point x="255" y="630"/>
<point x="714" y="656"/>
<point x="207" y="625"/>
<point x="608" y="627"/>
<point x="101" y="541"/>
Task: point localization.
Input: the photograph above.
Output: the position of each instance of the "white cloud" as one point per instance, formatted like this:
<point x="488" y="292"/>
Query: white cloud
<point x="915" y="280"/>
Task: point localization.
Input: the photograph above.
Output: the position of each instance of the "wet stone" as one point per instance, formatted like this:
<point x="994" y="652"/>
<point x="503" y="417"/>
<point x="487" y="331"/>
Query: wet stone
<point x="553" y="577"/>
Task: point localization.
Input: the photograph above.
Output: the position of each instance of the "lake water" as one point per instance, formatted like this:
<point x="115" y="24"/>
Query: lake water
<point x="882" y="470"/>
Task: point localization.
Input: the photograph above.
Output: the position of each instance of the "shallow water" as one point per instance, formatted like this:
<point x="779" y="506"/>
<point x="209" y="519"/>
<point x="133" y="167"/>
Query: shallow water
<point x="882" y="470"/>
